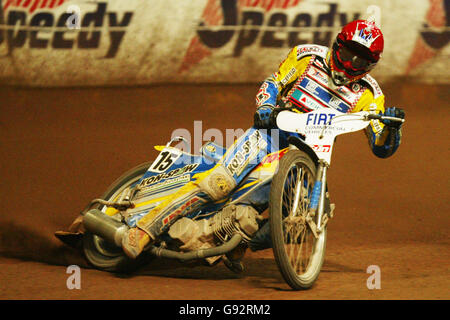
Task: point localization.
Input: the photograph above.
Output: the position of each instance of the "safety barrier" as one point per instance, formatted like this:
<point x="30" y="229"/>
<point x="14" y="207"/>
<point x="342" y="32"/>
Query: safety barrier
<point x="134" y="42"/>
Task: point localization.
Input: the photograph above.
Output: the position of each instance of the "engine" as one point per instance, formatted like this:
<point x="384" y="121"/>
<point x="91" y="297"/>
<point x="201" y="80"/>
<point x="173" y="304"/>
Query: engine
<point x="207" y="233"/>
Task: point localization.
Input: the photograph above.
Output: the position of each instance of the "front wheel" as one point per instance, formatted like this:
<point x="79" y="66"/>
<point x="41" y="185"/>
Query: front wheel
<point x="298" y="253"/>
<point x="100" y="253"/>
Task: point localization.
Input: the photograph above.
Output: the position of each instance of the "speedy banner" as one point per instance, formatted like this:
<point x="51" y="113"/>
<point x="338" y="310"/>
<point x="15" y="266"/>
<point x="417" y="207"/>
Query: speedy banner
<point x="116" y="42"/>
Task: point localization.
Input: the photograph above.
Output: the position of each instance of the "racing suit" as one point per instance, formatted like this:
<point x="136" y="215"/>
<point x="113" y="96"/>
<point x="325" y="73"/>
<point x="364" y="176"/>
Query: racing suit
<point x="303" y="80"/>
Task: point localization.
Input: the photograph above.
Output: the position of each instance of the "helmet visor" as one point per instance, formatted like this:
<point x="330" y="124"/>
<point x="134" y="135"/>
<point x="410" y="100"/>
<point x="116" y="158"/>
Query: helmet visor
<point x="358" y="63"/>
<point x="350" y="61"/>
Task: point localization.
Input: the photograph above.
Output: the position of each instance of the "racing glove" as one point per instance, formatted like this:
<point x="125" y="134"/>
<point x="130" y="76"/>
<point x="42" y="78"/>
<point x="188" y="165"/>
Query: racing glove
<point x="391" y="134"/>
<point x="394" y="112"/>
<point x="262" y="117"/>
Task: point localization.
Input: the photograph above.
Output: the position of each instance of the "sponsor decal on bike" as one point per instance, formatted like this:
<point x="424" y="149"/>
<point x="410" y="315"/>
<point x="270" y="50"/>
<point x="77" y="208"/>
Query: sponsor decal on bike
<point x="319" y="118"/>
<point x="321" y="148"/>
<point x="249" y="23"/>
<point x="270" y="161"/>
<point x="38" y="24"/>
<point x="167" y="183"/>
<point x="321" y="123"/>
<point x="247" y="152"/>
<point x="171" y="174"/>
<point x="181" y="210"/>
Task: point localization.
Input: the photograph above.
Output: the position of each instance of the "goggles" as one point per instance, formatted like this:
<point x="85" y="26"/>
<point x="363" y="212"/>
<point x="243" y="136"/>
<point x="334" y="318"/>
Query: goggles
<point x="352" y="63"/>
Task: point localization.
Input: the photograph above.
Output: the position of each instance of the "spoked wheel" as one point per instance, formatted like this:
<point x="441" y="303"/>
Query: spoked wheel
<point x="101" y="253"/>
<point x="298" y="253"/>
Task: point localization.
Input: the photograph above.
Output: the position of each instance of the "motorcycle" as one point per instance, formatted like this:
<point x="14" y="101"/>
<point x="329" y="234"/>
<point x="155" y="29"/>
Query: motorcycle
<point x="298" y="208"/>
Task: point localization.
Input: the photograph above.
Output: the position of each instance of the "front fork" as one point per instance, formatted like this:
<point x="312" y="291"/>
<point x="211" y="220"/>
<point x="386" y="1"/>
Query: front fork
<point x="317" y="203"/>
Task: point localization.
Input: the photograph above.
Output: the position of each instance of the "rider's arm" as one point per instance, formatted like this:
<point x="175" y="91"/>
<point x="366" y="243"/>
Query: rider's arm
<point x="289" y="70"/>
<point x="383" y="140"/>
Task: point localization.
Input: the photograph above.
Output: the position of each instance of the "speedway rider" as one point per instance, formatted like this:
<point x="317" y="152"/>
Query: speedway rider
<point x="311" y="77"/>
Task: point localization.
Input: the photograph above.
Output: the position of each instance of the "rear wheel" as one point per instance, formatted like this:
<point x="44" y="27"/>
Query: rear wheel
<point x="298" y="253"/>
<point x="101" y="253"/>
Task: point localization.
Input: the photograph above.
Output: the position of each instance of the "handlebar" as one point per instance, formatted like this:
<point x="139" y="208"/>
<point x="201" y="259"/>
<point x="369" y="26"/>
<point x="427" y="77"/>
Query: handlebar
<point x="381" y="117"/>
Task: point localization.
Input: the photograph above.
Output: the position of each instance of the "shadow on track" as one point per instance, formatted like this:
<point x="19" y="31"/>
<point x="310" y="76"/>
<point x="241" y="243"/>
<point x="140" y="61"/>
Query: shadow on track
<point x="20" y="242"/>
<point x="23" y="243"/>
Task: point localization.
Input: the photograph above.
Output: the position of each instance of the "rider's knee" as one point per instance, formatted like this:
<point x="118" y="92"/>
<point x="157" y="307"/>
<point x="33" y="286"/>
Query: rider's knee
<point x="218" y="183"/>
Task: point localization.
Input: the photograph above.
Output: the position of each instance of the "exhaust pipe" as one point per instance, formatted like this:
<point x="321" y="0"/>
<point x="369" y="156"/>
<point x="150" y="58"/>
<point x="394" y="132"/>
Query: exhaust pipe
<point x="104" y="226"/>
<point x="198" y="254"/>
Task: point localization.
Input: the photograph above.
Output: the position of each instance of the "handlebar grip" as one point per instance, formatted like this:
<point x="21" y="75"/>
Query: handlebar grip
<point x="374" y="116"/>
<point x="394" y="119"/>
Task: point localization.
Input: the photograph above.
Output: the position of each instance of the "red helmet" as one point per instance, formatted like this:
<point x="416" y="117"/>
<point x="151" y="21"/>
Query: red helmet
<point x="356" y="51"/>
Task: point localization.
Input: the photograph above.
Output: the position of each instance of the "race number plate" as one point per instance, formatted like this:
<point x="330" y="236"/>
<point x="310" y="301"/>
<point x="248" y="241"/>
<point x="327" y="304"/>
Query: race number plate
<point x="165" y="159"/>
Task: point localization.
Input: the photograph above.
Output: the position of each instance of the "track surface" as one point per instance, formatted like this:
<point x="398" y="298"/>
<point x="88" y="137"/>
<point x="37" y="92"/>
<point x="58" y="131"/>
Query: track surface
<point x="63" y="147"/>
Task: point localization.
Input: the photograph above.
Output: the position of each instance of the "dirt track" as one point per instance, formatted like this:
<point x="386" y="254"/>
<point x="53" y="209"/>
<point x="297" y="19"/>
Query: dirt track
<point x="62" y="147"/>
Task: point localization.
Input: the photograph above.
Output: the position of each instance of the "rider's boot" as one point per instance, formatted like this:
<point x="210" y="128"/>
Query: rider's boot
<point x="134" y="242"/>
<point x="233" y="259"/>
<point x="213" y="184"/>
<point x="262" y="240"/>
